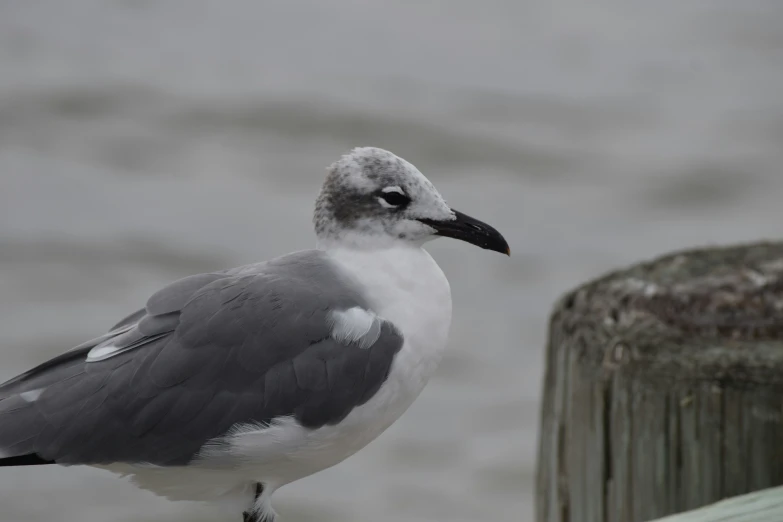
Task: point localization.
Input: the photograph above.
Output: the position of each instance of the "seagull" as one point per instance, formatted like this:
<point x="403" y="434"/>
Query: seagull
<point x="228" y="385"/>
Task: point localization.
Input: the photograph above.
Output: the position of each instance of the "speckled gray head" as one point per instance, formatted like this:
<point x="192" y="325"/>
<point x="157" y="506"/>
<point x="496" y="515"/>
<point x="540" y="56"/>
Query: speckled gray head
<point x="373" y="198"/>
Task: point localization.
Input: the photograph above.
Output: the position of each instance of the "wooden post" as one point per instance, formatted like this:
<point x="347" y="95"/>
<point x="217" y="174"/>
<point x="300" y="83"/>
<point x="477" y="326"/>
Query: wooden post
<point x="664" y="387"/>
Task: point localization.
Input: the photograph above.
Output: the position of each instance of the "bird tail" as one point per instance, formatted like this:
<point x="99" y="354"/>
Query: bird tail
<point x="18" y="415"/>
<point x="31" y="459"/>
<point x="15" y="437"/>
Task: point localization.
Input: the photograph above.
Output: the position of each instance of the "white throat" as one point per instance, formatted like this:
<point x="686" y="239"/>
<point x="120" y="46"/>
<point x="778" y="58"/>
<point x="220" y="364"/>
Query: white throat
<point x="379" y="243"/>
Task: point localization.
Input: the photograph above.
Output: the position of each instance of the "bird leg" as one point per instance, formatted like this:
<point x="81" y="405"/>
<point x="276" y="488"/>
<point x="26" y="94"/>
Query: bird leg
<point x="257" y="516"/>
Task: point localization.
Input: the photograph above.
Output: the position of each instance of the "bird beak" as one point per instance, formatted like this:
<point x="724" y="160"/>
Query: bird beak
<point x="471" y="230"/>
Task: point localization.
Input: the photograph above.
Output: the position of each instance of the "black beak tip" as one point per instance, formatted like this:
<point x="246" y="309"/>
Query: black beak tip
<point x="488" y="238"/>
<point x="501" y="245"/>
<point x="494" y="241"/>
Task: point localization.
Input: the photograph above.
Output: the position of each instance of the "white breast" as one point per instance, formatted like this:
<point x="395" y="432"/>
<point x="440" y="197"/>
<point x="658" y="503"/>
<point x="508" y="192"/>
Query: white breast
<point x="406" y="287"/>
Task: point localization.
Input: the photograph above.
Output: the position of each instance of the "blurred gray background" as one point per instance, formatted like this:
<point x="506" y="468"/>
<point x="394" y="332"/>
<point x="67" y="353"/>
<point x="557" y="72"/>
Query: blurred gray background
<point x="143" y="140"/>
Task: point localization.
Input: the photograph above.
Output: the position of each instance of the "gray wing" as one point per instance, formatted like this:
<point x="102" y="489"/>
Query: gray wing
<point x="206" y="353"/>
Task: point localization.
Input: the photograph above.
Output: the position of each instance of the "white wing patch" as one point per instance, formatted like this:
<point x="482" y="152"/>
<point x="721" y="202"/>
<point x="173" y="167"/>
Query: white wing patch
<point x="32" y="395"/>
<point x="355" y="325"/>
<point x="104" y="351"/>
<point x="101" y="353"/>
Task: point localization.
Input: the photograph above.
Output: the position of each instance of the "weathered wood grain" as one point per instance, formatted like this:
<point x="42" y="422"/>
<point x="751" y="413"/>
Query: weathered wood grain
<point x="663" y="389"/>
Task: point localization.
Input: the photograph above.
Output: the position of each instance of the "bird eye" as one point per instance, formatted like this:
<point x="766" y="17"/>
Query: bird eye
<point x="394" y="199"/>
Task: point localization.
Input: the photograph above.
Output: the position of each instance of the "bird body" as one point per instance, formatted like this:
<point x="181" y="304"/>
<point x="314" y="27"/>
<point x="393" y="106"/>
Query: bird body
<point x="280" y="453"/>
<point x="229" y="385"/>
